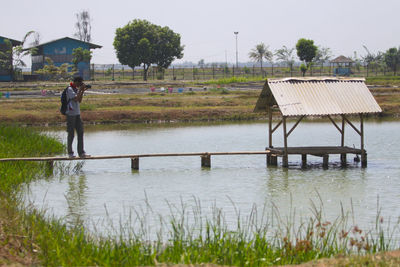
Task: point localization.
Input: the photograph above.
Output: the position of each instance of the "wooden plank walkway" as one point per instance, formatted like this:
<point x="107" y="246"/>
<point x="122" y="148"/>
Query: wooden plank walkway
<point x="272" y="154"/>
<point x="205" y="157"/>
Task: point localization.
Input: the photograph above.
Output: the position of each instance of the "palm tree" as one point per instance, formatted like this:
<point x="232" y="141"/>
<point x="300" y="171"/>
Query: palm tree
<point x="286" y="55"/>
<point x="259" y="53"/>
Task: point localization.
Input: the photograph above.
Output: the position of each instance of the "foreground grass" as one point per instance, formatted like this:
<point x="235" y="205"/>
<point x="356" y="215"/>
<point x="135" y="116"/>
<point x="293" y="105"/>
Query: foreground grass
<point x="29" y="237"/>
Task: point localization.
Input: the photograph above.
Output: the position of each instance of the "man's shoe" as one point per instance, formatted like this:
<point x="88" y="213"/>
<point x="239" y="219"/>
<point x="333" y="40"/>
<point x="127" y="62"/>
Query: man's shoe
<point x="84" y="155"/>
<point x="71" y="155"/>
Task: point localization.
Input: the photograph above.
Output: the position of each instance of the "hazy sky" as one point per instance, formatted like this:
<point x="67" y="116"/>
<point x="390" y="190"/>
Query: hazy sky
<point x="206" y="27"/>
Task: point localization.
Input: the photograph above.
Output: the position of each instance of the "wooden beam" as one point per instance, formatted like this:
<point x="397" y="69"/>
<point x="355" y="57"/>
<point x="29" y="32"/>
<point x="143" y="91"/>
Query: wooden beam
<point x="334" y="123"/>
<point x="276" y="127"/>
<point x="354" y="127"/>
<point x="294" y="126"/>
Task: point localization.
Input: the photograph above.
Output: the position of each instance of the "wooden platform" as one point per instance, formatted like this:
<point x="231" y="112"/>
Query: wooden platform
<point x="316" y="150"/>
<point x="319" y="151"/>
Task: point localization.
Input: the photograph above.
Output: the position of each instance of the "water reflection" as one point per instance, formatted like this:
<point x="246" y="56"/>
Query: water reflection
<point x="76" y="197"/>
<point x="233" y="183"/>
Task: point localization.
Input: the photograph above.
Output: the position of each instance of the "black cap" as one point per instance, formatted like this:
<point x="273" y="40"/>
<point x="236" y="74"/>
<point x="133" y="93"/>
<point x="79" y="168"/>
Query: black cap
<point x="78" y="79"/>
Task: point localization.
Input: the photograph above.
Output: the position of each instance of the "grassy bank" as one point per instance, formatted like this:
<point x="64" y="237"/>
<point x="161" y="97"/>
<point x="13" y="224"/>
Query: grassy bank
<point x="29" y="237"/>
<point x="148" y="107"/>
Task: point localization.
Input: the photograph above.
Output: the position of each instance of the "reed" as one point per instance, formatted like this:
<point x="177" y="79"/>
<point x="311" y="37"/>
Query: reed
<point x="264" y="237"/>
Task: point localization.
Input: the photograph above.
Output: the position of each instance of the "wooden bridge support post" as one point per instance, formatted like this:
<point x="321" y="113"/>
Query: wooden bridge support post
<point x="364" y="159"/>
<point x="343" y="159"/>
<point x="272" y="160"/>
<point x="303" y="160"/>
<point x="325" y="160"/>
<point x="206" y="160"/>
<point x="135" y="163"/>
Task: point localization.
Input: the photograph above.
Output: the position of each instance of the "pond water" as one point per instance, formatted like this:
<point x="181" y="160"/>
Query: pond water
<point x="104" y="194"/>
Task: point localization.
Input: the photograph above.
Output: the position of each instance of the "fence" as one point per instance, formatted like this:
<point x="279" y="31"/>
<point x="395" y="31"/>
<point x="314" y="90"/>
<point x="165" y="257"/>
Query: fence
<point x="118" y="73"/>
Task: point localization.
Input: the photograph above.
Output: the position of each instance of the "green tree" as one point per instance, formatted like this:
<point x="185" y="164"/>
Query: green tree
<point x="201" y="63"/>
<point x="143" y="43"/>
<point x="81" y="55"/>
<point x="306" y="51"/>
<point x="323" y="55"/>
<point x="52" y="72"/>
<point x="259" y="53"/>
<point x="303" y="69"/>
<point x="167" y="47"/>
<point x="12" y="57"/>
<point x="373" y="60"/>
<point x="392" y="58"/>
<point x="6" y="56"/>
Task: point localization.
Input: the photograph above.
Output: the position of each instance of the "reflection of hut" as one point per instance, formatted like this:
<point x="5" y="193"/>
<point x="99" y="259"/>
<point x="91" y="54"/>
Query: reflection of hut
<point x="343" y="66"/>
<point x="6" y="70"/>
<point x="325" y="97"/>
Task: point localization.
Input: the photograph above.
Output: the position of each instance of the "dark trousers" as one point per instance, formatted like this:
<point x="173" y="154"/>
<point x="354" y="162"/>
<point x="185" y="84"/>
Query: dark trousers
<point x="75" y="123"/>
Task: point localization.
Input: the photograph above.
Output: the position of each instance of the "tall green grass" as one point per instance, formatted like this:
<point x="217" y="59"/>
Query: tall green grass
<point x="264" y="237"/>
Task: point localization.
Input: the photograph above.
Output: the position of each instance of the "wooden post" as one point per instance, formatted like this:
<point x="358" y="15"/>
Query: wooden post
<point x="343" y="157"/>
<point x="274" y="160"/>
<point x="269" y="111"/>
<point x="363" y="152"/>
<point x="325" y="160"/>
<point x="135" y="163"/>
<point x="303" y="160"/>
<point x="285" y="159"/>
<point x="206" y="160"/>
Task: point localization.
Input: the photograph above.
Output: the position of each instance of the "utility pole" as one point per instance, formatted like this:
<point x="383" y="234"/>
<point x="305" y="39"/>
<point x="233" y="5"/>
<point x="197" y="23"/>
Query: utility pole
<point x="236" y="35"/>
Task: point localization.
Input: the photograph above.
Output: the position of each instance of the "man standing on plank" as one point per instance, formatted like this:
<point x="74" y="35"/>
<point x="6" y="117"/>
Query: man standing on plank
<point x="74" y="123"/>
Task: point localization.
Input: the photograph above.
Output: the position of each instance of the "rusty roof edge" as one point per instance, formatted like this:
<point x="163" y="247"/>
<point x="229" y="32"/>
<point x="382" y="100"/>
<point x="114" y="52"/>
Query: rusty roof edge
<point x="308" y="79"/>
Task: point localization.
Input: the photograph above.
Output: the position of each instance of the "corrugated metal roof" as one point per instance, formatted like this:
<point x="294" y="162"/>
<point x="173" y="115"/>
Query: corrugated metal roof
<point x="317" y="96"/>
<point x="91" y="45"/>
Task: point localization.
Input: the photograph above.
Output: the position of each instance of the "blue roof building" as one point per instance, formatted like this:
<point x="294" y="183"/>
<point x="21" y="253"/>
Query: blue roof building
<point x="60" y="52"/>
<point x="6" y="72"/>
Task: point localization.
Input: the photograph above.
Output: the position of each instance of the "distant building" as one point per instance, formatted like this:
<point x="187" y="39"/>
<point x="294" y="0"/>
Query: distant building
<point x="343" y="66"/>
<point x="60" y="51"/>
<point x="6" y="75"/>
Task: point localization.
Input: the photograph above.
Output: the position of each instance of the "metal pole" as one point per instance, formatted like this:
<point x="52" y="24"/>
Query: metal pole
<point x="236" y="35"/>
